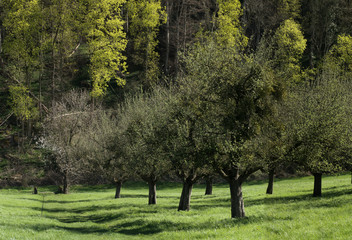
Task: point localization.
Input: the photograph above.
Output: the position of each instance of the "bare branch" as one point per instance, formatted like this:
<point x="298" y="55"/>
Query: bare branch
<point x="8" y="116"/>
<point x="75" y="50"/>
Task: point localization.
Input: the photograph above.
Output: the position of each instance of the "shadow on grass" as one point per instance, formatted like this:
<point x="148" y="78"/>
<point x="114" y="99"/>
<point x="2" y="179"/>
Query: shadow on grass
<point x="137" y="208"/>
<point x="40" y="199"/>
<point x="96" y="218"/>
<point x="149" y="227"/>
<point x="327" y="199"/>
<point x="82" y="230"/>
<point x="62" y="201"/>
<point x="134" y="219"/>
<point x="96" y="188"/>
<point x="144" y="227"/>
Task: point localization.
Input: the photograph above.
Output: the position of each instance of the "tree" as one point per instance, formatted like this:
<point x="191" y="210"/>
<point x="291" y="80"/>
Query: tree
<point x="144" y="119"/>
<point x="341" y="53"/>
<point x="281" y="53"/>
<point x="229" y="32"/>
<point x="241" y="95"/>
<point x="22" y="105"/>
<point x="289" y="45"/>
<point x="289" y="9"/>
<point x="320" y="28"/>
<point x="338" y="64"/>
<point x="145" y="18"/>
<point x="104" y="147"/>
<point x="262" y="17"/>
<point x="107" y="42"/>
<point x="21" y="22"/>
<point x="190" y="143"/>
<point x="320" y="127"/>
<point x="235" y="96"/>
<point x="246" y="101"/>
<point x="62" y="135"/>
<point x="274" y="139"/>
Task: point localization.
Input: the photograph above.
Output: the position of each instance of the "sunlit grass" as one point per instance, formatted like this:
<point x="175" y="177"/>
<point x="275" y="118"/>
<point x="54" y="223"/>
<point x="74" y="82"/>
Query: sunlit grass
<point x="93" y="213"/>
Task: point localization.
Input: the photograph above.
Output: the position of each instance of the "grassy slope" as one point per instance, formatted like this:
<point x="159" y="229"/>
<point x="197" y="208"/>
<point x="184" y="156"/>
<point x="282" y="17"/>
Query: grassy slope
<point x="92" y="213"/>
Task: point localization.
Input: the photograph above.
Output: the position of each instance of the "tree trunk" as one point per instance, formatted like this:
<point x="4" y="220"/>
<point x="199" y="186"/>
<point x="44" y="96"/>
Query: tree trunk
<point x="118" y="189"/>
<point x="152" y="192"/>
<point x="317" y="185"/>
<point x="269" y="190"/>
<point x="0" y="35"/>
<point x="237" y="205"/>
<point x="22" y="134"/>
<point x="167" y="38"/>
<point x="209" y="187"/>
<point x="1" y="12"/>
<point x="66" y="183"/>
<point x="351" y="177"/>
<point x="185" y="196"/>
<point x="53" y="78"/>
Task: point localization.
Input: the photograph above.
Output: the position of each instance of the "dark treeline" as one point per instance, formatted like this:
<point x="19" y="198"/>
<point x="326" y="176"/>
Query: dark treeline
<point x="105" y="91"/>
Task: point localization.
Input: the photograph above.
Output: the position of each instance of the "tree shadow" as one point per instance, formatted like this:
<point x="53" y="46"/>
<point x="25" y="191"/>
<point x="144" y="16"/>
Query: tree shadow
<point x="96" y="218"/>
<point x="132" y="226"/>
<point x="143" y="227"/>
<point x="134" y="217"/>
<point x="137" y="208"/>
<point x="310" y="201"/>
<point x="94" y="188"/>
<point x="40" y="199"/>
<point x="127" y="195"/>
<point x="209" y="206"/>
<point x="39" y="227"/>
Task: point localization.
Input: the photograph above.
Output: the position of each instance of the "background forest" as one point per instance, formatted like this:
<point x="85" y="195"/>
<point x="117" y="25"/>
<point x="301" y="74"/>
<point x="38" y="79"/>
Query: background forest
<point x="104" y="91"/>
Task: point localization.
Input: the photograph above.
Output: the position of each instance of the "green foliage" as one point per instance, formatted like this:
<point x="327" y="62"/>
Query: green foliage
<point x="341" y="52"/>
<point x="289" y="9"/>
<point x="21" y="103"/>
<point x="107" y="42"/>
<point x="143" y="135"/>
<point x="145" y="19"/>
<point x="191" y="142"/>
<point x="289" y="45"/>
<point x="320" y="126"/>
<point x="233" y="97"/>
<point x="103" y="148"/>
<point x="37" y="31"/>
<point x="229" y="32"/>
<point x="22" y="21"/>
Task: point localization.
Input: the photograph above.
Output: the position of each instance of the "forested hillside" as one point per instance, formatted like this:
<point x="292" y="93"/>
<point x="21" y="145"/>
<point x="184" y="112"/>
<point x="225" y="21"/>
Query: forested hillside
<point x="95" y="91"/>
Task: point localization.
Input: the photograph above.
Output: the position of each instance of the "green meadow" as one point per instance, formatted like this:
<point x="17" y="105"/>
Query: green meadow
<point x="92" y="212"/>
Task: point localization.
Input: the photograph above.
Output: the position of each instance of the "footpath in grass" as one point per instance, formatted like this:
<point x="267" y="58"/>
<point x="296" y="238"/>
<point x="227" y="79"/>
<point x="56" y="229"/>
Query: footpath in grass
<point x="93" y="213"/>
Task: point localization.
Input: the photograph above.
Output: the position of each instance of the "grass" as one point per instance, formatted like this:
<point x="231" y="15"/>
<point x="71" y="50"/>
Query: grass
<point x="92" y="213"/>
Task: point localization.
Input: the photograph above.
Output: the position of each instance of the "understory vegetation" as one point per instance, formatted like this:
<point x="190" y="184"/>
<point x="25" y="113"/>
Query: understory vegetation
<point x="91" y="212"/>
